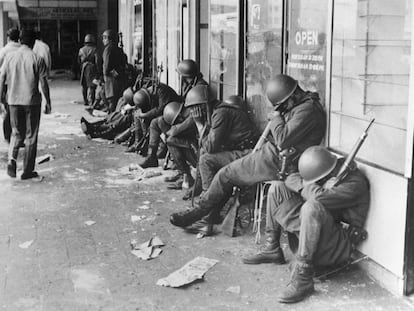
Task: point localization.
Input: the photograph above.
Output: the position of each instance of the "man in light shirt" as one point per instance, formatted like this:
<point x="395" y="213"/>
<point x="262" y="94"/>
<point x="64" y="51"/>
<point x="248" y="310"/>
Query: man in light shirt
<point x="22" y="71"/>
<point x="11" y="46"/>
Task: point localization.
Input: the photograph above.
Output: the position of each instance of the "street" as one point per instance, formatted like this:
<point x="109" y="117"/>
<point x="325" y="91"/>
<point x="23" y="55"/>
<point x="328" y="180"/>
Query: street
<point x="65" y="240"/>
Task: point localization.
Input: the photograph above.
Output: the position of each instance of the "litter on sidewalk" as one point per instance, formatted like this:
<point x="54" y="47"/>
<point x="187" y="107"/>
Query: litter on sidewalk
<point x="44" y="158"/>
<point x="191" y="271"/>
<point x="26" y="244"/>
<point x="147" y="250"/>
<point x="136" y="218"/>
<point x="90" y="222"/>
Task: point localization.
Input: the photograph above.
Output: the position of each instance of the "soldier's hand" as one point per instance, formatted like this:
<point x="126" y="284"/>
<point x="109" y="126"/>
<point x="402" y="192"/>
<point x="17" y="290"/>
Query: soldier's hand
<point x="330" y="183"/>
<point x="272" y="115"/>
<point x="197" y="113"/>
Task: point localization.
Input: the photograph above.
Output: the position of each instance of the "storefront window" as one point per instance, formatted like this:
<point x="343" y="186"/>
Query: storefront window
<point x="168" y="38"/>
<point x="137" y="36"/>
<point x="224" y="25"/>
<point x="263" y="53"/>
<point x="307" y="47"/>
<point x="370" y="74"/>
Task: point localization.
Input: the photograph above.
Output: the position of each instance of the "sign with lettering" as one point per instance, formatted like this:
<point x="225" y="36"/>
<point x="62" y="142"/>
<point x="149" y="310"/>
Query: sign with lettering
<point x="73" y="13"/>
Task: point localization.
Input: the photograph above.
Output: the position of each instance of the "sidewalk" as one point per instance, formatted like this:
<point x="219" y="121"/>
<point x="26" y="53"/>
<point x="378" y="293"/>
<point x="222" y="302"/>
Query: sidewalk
<point x="67" y="264"/>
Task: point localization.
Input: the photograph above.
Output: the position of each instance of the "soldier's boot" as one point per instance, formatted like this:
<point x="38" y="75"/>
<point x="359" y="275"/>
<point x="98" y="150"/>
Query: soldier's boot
<point x="120" y="138"/>
<point x="151" y="160"/>
<point x="162" y="150"/>
<point x="187" y="218"/>
<point x="205" y="225"/>
<point x="133" y="147"/>
<point x="271" y="252"/>
<point x="301" y="283"/>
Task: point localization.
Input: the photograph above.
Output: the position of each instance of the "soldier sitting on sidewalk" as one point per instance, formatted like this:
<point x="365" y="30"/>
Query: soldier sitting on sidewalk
<point x="299" y="121"/>
<point x="149" y="103"/>
<point x="310" y="206"/>
<point x="115" y="123"/>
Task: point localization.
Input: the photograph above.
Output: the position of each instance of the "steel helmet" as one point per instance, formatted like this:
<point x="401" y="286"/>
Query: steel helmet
<point x="171" y="112"/>
<point x="142" y="98"/>
<point x="89" y="39"/>
<point x="234" y="100"/>
<point x="315" y="163"/>
<point x="197" y="95"/>
<point x="280" y="88"/>
<point x="128" y="95"/>
<point x="187" y="68"/>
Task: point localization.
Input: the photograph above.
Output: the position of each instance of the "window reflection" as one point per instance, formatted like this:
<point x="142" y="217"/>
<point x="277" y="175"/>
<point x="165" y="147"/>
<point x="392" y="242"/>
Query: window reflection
<point x="370" y="73"/>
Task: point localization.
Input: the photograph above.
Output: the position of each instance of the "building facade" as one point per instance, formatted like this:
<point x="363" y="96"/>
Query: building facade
<point x="357" y="54"/>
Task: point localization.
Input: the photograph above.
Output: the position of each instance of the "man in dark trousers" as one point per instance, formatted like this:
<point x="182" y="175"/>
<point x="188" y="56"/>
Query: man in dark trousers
<point x="113" y="68"/>
<point x="11" y="46"/>
<point x="88" y="61"/>
<point x="314" y="206"/>
<point x="22" y="71"/>
<point x="299" y="122"/>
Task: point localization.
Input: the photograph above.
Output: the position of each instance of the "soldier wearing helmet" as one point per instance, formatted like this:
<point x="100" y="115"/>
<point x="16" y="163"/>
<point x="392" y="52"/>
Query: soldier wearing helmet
<point x="113" y="68"/>
<point x="300" y="124"/>
<point x="149" y="105"/>
<point x="230" y="136"/>
<point x="312" y="207"/>
<point x="88" y="61"/>
<point x="190" y="76"/>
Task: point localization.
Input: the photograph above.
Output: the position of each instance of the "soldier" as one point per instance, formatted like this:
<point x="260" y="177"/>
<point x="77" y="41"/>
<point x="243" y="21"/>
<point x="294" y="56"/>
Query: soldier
<point x="88" y="60"/>
<point x="113" y="68"/>
<point x="311" y="205"/>
<point x="299" y="121"/>
<point x="150" y="103"/>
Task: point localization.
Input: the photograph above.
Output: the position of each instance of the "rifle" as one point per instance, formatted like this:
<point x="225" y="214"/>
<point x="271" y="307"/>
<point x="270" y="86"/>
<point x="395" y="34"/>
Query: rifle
<point x="346" y="167"/>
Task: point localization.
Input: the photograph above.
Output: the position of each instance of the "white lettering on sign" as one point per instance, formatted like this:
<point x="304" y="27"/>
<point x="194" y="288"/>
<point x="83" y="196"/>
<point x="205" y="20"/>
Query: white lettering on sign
<point x="306" y="37"/>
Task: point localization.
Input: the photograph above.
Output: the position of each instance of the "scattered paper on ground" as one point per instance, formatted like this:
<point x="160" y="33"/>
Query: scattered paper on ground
<point x="90" y="222"/>
<point x="26" y="244"/>
<point x="191" y="271"/>
<point x="147" y="250"/>
<point x="143" y="207"/>
<point x="135" y="218"/>
<point x="44" y="158"/>
<point x="233" y="289"/>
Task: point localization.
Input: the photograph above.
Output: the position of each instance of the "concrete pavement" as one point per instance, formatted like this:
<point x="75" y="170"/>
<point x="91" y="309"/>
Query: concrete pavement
<point x="51" y="260"/>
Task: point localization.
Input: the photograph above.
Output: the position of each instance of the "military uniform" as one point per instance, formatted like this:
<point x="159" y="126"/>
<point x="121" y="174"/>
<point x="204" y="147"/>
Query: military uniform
<point x="230" y="137"/>
<point x="303" y="125"/>
<point x="88" y="59"/>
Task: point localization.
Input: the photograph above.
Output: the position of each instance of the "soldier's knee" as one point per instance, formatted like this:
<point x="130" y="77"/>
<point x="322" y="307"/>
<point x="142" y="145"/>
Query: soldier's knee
<point x="312" y="209"/>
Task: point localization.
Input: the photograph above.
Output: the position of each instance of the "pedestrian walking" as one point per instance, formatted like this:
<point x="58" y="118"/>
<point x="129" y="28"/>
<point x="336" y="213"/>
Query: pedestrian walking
<point x="11" y="46"/>
<point x="22" y="71"/>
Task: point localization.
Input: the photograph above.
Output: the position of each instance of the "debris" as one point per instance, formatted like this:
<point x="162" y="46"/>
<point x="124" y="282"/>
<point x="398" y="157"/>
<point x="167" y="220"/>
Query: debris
<point x="233" y="289"/>
<point x="58" y="115"/>
<point x="146" y="202"/>
<point x="200" y="235"/>
<point x="77" y="148"/>
<point x="143" y="207"/>
<point x="99" y="113"/>
<point x="135" y="218"/>
<point x="90" y="222"/>
<point x="147" y="250"/>
<point x="82" y="171"/>
<point x="160" y="201"/>
<point x="191" y="271"/>
<point x="100" y="140"/>
<point x="26" y="244"/>
<point x="44" y="158"/>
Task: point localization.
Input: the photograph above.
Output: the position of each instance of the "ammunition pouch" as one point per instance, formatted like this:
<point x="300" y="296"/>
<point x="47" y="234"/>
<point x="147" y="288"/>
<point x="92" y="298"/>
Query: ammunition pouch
<point x="287" y="162"/>
<point x="355" y="234"/>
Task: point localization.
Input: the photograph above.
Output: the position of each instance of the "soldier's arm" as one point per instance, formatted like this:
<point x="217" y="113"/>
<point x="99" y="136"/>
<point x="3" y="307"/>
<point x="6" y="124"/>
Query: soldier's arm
<point x="217" y="134"/>
<point x="289" y="133"/>
<point x="340" y="196"/>
<point x="182" y="127"/>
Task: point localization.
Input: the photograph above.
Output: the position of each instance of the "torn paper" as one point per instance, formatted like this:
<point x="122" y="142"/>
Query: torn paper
<point x="26" y="244"/>
<point x="90" y="222"/>
<point x="191" y="271"/>
<point x="44" y="158"/>
<point x="136" y="218"/>
<point x="147" y="250"/>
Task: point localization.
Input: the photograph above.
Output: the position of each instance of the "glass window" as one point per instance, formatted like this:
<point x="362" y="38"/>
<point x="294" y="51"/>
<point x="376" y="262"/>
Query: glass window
<point x="137" y="36"/>
<point x="370" y="74"/>
<point x="224" y="25"/>
<point x="160" y="11"/>
<point x="307" y="47"/>
<point x="263" y="53"/>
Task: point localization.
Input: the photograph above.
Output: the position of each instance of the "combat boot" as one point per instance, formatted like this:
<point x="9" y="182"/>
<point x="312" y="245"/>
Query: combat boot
<point x="151" y="160"/>
<point x="271" y="252"/>
<point x="124" y="136"/>
<point x="186" y="218"/>
<point x="301" y="283"/>
<point x="205" y="225"/>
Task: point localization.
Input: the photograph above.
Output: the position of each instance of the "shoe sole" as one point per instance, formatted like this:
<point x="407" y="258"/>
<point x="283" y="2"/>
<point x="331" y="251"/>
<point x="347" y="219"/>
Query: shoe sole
<point x="253" y="262"/>
<point x="299" y="298"/>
